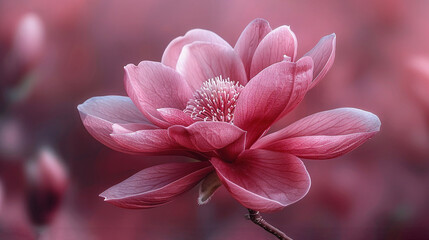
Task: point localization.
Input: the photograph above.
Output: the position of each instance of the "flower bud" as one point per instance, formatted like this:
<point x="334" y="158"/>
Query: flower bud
<point x="29" y="40"/>
<point x="12" y="138"/>
<point x="1" y="196"/>
<point x="47" y="183"/>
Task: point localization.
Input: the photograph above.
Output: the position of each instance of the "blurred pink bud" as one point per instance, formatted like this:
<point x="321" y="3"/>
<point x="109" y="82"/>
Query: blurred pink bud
<point x="419" y="79"/>
<point x="47" y="183"/>
<point x="11" y="138"/>
<point x="29" y="39"/>
<point x="26" y="50"/>
<point x="1" y="196"/>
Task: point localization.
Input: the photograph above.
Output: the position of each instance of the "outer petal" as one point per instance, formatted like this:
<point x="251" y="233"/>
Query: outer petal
<point x="279" y="42"/>
<point x="263" y="180"/>
<point x="324" y="135"/>
<point x="152" y="85"/>
<point x="266" y="96"/>
<point x="146" y="141"/>
<point x="156" y="185"/>
<point x="323" y="55"/>
<point x="201" y="61"/>
<point x="98" y="114"/>
<point x="249" y="40"/>
<point x="173" y="50"/>
<point x="321" y="147"/>
<point x="205" y="136"/>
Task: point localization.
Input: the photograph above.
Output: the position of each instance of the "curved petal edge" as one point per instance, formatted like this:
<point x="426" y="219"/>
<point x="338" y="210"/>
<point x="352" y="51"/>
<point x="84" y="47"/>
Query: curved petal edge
<point x="155" y="186"/>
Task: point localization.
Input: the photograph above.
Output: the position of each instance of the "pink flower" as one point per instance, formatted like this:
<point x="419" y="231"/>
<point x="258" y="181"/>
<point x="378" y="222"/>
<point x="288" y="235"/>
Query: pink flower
<point x="215" y="103"/>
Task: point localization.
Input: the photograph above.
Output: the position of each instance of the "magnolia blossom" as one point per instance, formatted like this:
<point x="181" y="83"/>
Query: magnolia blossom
<point x="215" y="103"/>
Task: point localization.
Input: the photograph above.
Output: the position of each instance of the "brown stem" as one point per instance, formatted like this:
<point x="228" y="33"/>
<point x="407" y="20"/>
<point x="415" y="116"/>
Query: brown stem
<point x="255" y="217"/>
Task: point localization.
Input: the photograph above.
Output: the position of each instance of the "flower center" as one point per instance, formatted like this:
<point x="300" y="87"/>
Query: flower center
<point x="214" y="101"/>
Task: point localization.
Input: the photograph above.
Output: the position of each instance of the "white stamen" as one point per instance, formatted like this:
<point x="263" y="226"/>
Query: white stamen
<point x="215" y="100"/>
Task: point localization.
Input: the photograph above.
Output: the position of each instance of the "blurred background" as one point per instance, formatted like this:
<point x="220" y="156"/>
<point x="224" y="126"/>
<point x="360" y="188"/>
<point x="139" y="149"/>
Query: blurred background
<point x="56" y="54"/>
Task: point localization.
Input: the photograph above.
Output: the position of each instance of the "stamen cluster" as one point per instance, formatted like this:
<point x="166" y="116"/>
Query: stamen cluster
<point x="215" y="100"/>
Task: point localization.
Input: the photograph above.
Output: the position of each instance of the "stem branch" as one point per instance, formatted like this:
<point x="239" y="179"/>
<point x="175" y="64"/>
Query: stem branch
<point x="256" y="218"/>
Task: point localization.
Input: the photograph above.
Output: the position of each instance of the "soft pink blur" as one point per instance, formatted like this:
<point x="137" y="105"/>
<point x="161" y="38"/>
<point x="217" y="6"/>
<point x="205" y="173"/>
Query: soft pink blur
<point x="377" y="192"/>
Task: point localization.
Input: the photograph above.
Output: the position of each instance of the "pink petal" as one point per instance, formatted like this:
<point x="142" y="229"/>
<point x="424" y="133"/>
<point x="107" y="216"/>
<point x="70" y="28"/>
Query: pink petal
<point x="156" y="185"/>
<point x="131" y="127"/>
<point x="323" y="55"/>
<point x="173" y="50"/>
<point x="152" y="85"/>
<point x="200" y="62"/>
<point x="263" y="180"/>
<point x="205" y="136"/>
<point x="175" y="116"/>
<point x="98" y="114"/>
<point x="231" y="151"/>
<point x="146" y="141"/>
<point x="250" y="39"/>
<point x="300" y="85"/>
<point x="324" y="135"/>
<point x="266" y="96"/>
<point x="321" y="147"/>
<point x="279" y="42"/>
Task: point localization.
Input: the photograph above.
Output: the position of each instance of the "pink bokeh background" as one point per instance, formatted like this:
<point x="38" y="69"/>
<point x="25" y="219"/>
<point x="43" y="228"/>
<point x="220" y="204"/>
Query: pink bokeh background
<point x="379" y="191"/>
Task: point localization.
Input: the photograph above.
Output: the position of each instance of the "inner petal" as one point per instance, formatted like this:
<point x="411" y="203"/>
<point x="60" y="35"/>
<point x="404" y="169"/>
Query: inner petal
<point x="215" y="100"/>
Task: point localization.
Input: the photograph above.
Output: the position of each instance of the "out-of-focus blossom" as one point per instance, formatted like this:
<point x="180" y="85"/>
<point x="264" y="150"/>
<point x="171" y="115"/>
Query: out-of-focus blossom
<point x="1" y="196"/>
<point x="26" y="50"/>
<point x="11" y="138"/>
<point x="47" y="183"/>
<point x="215" y="103"/>
<point x="418" y="81"/>
<point x="29" y="40"/>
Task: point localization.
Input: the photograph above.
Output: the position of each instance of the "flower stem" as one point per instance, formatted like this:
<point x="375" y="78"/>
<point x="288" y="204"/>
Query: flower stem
<point x="255" y="217"/>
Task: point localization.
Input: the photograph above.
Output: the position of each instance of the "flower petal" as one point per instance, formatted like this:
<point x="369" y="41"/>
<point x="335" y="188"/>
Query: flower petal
<point x="173" y="50"/>
<point x="321" y="147"/>
<point x="205" y="136"/>
<point x="131" y="127"/>
<point x="201" y="61"/>
<point x="263" y="180"/>
<point x="175" y="116"/>
<point x="156" y="185"/>
<point x="152" y="85"/>
<point x="266" y="96"/>
<point x="231" y="151"/>
<point x="146" y="141"/>
<point x="323" y="55"/>
<point x="300" y="85"/>
<point x="323" y="135"/>
<point x="249" y="41"/>
<point x="98" y="114"/>
<point x="273" y="48"/>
